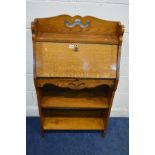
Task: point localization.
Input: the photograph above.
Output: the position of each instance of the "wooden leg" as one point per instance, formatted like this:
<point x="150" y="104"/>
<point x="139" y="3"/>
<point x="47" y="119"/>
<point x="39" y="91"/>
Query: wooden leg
<point x="103" y="134"/>
<point x="38" y="91"/>
<point x="42" y="132"/>
<point x="41" y="129"/>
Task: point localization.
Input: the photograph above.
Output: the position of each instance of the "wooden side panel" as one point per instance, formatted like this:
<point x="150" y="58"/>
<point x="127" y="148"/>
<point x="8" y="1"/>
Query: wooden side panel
<point x="89" y="61"/>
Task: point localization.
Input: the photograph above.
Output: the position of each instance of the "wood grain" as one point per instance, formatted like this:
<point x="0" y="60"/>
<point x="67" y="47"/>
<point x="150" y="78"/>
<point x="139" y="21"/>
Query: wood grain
<point x="74" y="83"/>
<point x="58" y="60"/>
<point x="66" y="123"/>
<point x="63" y="102"/>
<point x="57" y="25"/>
<point x="54" y="29"/>
<point x="76" y="70"/>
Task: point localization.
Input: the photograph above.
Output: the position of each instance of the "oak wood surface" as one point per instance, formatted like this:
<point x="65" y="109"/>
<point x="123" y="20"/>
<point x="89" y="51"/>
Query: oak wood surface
<point x="76" y="70"/>
<point x="57" y="25"/>
<point x="67" y="123"/>
<point x="78" y="38"/>
<point x="39" y="95"/>
<point x="59" y="60"/>
<point x="74" y="83"/>
<point x="62" y="102"/>
<point x="54" y="29"/>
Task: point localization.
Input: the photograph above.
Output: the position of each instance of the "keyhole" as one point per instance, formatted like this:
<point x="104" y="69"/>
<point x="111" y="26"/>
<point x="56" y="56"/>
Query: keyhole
<point x="75" y="48"/>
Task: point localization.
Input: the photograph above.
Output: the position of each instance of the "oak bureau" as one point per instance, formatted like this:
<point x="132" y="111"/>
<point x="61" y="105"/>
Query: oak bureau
<point x="76" y="71"/>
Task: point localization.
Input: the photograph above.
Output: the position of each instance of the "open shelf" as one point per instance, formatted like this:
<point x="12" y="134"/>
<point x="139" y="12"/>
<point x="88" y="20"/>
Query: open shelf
<point x="68" y="109"/>
<point x="74" y="119"/>
<point x="63" y="102"/>
<point x="54" y="97"/>
<point x="75" y="123"/>
<point x="52" y="37"/>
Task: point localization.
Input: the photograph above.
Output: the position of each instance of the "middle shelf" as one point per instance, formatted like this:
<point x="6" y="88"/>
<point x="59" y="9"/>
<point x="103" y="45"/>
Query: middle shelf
<point x="92" y="98"/>
<point x="62" y="102"/>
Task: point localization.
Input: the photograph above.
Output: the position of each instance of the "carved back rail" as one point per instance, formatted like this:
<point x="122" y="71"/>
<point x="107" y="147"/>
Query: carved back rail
<point x="88" y="25"/>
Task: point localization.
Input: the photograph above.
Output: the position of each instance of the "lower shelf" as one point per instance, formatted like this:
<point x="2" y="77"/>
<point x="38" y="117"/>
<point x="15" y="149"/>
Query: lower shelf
<point x="75" y="123"/>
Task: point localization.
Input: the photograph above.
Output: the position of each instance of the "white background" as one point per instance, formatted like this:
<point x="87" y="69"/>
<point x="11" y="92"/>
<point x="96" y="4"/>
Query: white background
<point x="104" y="9"/>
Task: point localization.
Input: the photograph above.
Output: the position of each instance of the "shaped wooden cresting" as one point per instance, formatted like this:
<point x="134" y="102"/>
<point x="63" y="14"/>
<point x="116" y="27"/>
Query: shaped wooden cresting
<point x="76" y="71"/>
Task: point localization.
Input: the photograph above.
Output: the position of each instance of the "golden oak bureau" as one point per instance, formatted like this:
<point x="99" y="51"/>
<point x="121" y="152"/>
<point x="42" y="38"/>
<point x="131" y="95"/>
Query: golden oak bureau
<point x="76" y="71"/>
